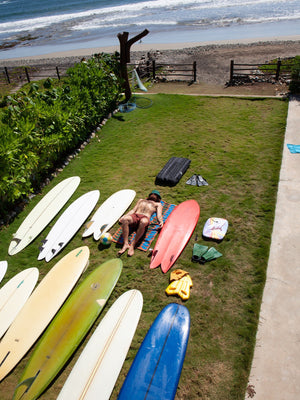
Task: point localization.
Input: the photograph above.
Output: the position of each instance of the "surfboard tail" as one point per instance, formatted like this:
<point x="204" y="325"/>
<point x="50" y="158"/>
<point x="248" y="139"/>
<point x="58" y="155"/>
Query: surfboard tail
<point x="155" y="259"/>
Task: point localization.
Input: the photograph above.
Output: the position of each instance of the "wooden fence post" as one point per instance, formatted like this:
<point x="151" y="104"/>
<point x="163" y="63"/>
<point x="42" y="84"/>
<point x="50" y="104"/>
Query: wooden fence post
<point x="6" y="74"/>
<point x="57" y="72"/>
<point x="27" y="75"/>
<point x="195" y="71"/>
<point x="231" y="70"/>
<point x="278" y="69"/>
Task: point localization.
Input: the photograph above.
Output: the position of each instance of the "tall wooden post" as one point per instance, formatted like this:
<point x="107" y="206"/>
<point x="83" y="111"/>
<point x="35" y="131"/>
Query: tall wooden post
<point x="125" y="45"/>
<point x="278" y="69"/>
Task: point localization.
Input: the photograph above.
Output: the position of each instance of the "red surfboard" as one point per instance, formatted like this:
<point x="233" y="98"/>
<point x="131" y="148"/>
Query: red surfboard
<point x="175" y="234"/>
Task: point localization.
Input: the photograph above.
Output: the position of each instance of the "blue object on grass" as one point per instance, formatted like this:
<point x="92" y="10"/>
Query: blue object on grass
<point x="294" y="148"/>
<point x="127" y="107"/>
<point x="156" y="369"/>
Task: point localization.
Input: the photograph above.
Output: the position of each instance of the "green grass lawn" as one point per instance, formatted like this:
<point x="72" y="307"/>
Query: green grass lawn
<point x="236" y="145"/>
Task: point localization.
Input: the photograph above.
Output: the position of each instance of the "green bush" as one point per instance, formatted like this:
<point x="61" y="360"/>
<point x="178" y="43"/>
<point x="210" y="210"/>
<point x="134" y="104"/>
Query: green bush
<point x="294" y="86"/>
<point x="44" y="122"/>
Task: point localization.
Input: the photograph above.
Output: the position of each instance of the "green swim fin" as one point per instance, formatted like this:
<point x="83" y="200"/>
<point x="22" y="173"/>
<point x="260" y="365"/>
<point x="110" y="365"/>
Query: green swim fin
<point x="210" y="255"/>
<point x="198" y="251"/>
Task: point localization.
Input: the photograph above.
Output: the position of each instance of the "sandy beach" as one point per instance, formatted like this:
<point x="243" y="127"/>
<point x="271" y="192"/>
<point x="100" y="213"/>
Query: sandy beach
<point x="212" y="58"/>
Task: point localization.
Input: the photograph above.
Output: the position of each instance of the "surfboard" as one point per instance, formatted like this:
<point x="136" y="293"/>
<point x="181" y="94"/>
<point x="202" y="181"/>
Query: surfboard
<point x="42" y="214"/>
<point x="94" y="374"/>
<point x="40" y="308"/>
<point x="3" y="269"/>
<point x="96" y="371"/>
<point x="215" y="228"/>
<point x="139" y="82"/>
<point x="14" y="294"/>
<point x="175" y="234"/>
<point x="156" y="368"/>
<point x="68" y="224"/>
<point x="109" y="213"/>
<point x="67" y="329"/>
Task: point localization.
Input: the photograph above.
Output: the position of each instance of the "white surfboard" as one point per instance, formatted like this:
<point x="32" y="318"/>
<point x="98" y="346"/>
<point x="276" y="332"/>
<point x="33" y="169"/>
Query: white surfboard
<point x="3" y="269"/>
<point x="97" y="369"/>
<point x="139" y="82"/>
<point x="40" y="308"/>
<point x="109" y="212"/>
<point x="42" y="214"/>
<point x="68" y="224"/>
<point x="14" y="294"/>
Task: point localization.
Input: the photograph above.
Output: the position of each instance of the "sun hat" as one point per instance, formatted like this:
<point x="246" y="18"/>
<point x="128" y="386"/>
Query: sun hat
<point x="156" y="192"/>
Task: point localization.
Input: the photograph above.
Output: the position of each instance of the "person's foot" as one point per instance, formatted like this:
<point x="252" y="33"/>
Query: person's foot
<point x="123" y="249"/>
<point x="130" y="251"/>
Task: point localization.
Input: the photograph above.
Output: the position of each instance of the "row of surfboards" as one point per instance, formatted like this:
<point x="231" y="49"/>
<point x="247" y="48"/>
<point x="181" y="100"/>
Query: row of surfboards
<point x="71" y="219"/>
<point x="20" y="304"/>
<point x="173" y="237"/>
<point x="63" y="320"/>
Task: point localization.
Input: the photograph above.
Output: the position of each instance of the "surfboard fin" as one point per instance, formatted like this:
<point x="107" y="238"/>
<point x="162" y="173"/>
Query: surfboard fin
<point x="88" y="224"/>
<point x="17" y="240"/>
<point x="100" y="232"/>
<point x="4" y="358"/>
<point x="28" y="382"/>
<point x="101" y="302"/>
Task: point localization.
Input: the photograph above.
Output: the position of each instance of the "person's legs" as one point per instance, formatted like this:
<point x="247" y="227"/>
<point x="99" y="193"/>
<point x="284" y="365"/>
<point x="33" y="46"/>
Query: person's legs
<point x="144" y="222"/>
<point x="125" y="221"/>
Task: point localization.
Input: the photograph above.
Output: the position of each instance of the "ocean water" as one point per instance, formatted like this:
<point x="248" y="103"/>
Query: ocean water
<point x="35" y="27"/>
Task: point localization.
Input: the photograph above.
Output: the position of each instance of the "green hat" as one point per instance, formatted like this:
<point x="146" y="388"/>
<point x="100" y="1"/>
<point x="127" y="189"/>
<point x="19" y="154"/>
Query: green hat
<point x="156" y="192"/>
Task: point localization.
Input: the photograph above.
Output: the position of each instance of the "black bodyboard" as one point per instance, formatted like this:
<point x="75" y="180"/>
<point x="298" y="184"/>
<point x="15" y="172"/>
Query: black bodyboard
<point x="172" y="172"/>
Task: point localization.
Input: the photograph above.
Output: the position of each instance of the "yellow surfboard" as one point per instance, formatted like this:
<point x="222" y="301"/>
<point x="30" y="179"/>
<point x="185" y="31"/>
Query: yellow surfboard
<point x="40" y="308"/>
<point x="67" y="329"/>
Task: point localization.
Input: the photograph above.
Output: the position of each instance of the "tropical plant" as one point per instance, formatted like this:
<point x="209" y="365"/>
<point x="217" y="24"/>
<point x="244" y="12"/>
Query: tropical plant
<point x="45" y="121"/>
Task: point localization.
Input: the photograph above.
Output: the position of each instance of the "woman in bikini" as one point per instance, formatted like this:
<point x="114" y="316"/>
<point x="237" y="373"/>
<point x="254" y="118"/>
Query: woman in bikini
<point x="139" y="218"/>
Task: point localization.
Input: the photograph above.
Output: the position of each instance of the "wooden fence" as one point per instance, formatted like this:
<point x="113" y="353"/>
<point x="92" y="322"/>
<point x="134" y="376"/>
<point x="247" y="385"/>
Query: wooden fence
<point x="149" y="70"/>
<point x="154" y="70"/>
<point x="264" y="71"/>
<point x="21" y="75"/>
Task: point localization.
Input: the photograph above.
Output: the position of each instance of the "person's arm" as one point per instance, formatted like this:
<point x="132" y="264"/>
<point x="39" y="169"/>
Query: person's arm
<point x="159" y="215"/>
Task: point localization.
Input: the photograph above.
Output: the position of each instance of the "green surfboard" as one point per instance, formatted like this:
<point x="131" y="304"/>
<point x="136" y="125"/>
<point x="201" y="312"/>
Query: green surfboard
<point x="67" y="329"/>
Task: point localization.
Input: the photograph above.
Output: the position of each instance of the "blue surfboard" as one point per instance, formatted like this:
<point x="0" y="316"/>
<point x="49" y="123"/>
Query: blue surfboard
<point x="155" y="371"/>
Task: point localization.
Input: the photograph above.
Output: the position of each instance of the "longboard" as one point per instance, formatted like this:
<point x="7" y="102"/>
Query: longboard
<point x="96" y="371"/>
<point x="13" y="296"/>
<point x="156" y="368"/>
<point x="42" y="214"/>
<point x="67" y="329"/>
<point x="109" y="212"/>
<point x="3" y="269"/>
<point x="68" y="224"/>
<point x="175" y="234"/>
<point x="40" y="308"/>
